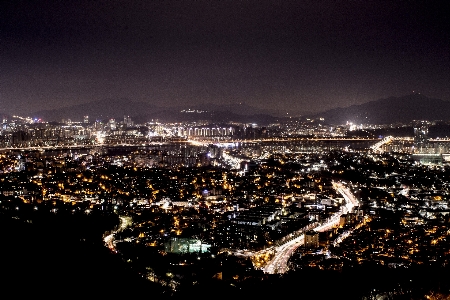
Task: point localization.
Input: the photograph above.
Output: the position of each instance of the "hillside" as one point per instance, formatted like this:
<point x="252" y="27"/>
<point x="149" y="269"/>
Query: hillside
<point x="390" y="110"/>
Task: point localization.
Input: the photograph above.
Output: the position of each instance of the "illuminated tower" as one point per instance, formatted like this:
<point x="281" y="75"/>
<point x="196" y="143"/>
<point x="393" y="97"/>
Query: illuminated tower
<point x="112" y="124"/>
<point x="421" y="135"/>
<point x="127" y="121"/>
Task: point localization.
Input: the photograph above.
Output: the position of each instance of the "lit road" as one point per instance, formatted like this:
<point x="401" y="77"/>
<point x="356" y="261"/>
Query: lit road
<point x="378" y="147"/>
<point x="110" y="240"/>
<point x="279" y="263"/>
<point x="205" y="141"/>
<point x="282" y="255"/>
<point x="61" y="147"/>
<point x="233" y="162"/>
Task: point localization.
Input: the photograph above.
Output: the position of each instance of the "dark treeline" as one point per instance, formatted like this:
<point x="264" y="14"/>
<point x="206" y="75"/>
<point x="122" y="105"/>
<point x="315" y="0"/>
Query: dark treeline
<point x="56" y="257"/>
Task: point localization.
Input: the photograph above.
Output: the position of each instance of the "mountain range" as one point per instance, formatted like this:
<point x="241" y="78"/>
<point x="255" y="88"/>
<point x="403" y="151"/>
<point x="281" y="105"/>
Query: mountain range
<point x="389" y="111"/>
<point x="383" y="111"/>
<point x="143" y="112"/>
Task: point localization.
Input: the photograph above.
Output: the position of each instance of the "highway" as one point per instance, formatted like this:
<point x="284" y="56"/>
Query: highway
<point x="110" y="240"/>
<point x="279" y="263"/>
<point x="378" y="147"/>
<point x="63" y="147"/>
<point x="282" y="255"/>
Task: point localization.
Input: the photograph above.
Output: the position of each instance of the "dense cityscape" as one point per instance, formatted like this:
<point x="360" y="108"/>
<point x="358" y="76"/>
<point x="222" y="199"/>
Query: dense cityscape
<point x="238" y="205"/>
<point x="227" y="149"/>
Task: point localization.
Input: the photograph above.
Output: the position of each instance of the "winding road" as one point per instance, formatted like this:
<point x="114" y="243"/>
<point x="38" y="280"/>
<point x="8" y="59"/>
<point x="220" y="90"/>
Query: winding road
<point x="279" y="263"/>
<point x="109" y="240"/>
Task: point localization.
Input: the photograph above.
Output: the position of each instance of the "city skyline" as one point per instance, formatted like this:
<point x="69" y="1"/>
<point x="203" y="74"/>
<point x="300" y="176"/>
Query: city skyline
<point x="286" y="56"/>
<point x="184" y="208"/>
<point x="252" y="149"/>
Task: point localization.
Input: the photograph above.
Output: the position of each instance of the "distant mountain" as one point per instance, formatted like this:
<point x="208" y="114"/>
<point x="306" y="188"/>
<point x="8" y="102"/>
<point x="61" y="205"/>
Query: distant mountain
<point x="143" y="112"/>
<point x="103" y="109"/>
<point x="238" y="109"/>
<point x="391" y="110"/>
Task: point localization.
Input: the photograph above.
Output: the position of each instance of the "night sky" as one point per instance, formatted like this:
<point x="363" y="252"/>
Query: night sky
<point x="283" y="55"/>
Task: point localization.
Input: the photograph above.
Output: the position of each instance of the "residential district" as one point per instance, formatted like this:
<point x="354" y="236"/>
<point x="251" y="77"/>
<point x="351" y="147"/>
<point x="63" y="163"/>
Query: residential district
<point x="198" y="203"/>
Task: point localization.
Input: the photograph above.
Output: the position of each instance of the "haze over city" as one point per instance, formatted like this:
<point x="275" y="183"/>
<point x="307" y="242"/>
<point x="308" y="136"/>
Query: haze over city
<point x="286" y="56"/>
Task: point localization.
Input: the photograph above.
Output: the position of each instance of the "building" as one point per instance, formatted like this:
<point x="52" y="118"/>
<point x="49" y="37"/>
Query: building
<point x="127" y="122"/>
<point x="420" y="134"/>
<point x="185" y="245"/>
<point x="347" y="219"/>
<point x="311" y="239"/>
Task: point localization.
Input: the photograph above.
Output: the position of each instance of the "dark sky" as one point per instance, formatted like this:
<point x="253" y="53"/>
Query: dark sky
<point x="284" y="55"/>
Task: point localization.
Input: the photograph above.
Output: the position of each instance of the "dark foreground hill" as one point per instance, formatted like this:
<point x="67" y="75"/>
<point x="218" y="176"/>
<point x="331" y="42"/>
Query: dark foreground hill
<point x="43" y="261"/>
<point x="46" y="260"/>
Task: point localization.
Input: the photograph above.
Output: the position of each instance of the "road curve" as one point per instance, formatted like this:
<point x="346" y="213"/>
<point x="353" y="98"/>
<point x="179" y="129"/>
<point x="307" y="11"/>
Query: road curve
<point x="279" y="263"/>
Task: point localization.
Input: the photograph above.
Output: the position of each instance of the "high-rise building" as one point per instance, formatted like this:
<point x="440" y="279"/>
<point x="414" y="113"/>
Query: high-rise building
<point x="112" y="124"/>
<point x="86" y="119"/>
<point x="421" y="134"/>
<point x="127" y="121"/>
